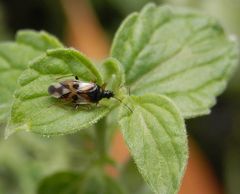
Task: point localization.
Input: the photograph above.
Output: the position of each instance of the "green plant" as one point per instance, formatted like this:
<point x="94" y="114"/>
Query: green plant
<point x="175" y="61"/>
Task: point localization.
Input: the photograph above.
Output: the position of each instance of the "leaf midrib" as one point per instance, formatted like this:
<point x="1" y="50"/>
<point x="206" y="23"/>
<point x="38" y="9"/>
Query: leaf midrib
<point x="156" y="146"/>
<point x="173" y="55"/>
<point x="173" y="75"/>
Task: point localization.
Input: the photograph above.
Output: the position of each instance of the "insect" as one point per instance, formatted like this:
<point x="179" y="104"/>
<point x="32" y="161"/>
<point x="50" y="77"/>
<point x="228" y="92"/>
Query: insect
<point x="79" y="92"/>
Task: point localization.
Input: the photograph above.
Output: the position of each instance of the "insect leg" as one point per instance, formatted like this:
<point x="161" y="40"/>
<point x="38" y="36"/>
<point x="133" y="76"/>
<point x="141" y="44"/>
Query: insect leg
<point x="76" y="106"/>
<point x="129" y="90"/>
<point x="82" y="106"/>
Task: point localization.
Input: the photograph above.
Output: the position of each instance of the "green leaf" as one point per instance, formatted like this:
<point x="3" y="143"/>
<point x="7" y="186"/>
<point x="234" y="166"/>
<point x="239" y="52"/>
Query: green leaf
<point x="113" y="74"/>
<point x="98" y="183"/>
<point x="177" y="52"/>
<point x="61" y="183"/>
<point x="24" y="161"/>
<point x="156" y="136"/>
<point x="79" y="183"/>
<point x="133" y="180"/>
<point x="37" y="40"/>
<point x="79" y="64"/>
<point x="36" y="111"/>
<point x="14" y="58"/>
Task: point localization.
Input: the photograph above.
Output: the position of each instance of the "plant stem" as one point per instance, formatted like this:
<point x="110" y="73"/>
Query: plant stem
<point x="101" y="139"/>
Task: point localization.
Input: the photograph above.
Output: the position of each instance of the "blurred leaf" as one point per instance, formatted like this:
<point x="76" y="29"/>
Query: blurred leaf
<point x="61" y="183"/>
<point x="133" y="180"/>
<point x="36" y="111"/>
<point x="15" y="57"/>
<point x="39" y="41"/>
<point x="79" y="183"/>
<point x="191" y="68"/>
<point x="26" y="158"/>
<point x="126" y="7"/>
<point x="98" y="183"/>
<point x="156" y="136"/>
<point x="226" y="11"/>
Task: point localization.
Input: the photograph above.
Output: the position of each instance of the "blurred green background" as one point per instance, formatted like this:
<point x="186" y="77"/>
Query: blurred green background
<point x="25" y="159"/>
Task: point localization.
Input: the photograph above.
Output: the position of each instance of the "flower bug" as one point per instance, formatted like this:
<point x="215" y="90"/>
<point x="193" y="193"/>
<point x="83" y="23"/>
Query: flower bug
<point x="79" y="92"/>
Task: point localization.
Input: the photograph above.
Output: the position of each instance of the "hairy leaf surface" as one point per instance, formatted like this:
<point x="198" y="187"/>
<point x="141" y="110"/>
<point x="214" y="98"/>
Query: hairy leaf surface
<point x="35" y="110"/>
<point x="156" y="136"/>
<point x="15" y="57"/>
<point x="180" y="53"/>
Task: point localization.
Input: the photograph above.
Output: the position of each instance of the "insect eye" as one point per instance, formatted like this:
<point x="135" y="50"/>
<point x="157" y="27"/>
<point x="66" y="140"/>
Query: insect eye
<point x="75" y="86"/>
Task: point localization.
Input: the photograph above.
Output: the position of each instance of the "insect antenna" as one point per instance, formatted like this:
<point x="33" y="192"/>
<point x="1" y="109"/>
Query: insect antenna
<point x="124" y="104"/>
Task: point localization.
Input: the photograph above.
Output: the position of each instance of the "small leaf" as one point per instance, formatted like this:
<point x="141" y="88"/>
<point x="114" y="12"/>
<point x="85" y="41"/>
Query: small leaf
<point x="61" y="183"/>
<point x="14" y="58"/>
<point x="38" y="40"/>
<point x="78" y="64"/>
<point x="113" y="74"/>
<point x="180" y="53"/>
<point x="77" y="183"/>
<point x="99" y="183"/>
<point x="156" y="136"/>
<point x="36" y="111"/>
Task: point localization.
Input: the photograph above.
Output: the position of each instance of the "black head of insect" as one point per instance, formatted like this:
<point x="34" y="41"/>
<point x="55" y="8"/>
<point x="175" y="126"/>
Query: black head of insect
<point x="98" y="93"/>
<point x="107" y="94"/>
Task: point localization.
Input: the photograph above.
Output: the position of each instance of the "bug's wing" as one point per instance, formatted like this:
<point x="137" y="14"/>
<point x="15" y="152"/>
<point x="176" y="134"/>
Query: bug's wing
<point x="83" y="92"/>
<point x="83" y="99"/>
<point x="85" y="87"/>
<point x="57" y="90"/>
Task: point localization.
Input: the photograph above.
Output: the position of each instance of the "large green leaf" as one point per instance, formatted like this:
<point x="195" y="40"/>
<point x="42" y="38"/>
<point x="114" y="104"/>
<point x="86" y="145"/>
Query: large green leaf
<point x="35" y="110"/>
<point x="156" y="136"/>
<point x="15" y="57"/>
<point x="180" y="53"/>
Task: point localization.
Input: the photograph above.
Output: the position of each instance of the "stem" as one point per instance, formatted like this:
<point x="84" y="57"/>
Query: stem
<point x="101" y="138"/>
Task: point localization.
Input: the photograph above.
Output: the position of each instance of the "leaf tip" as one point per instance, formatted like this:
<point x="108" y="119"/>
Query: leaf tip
<point x="8" y="132"/>
<point x="11" y="129"/>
